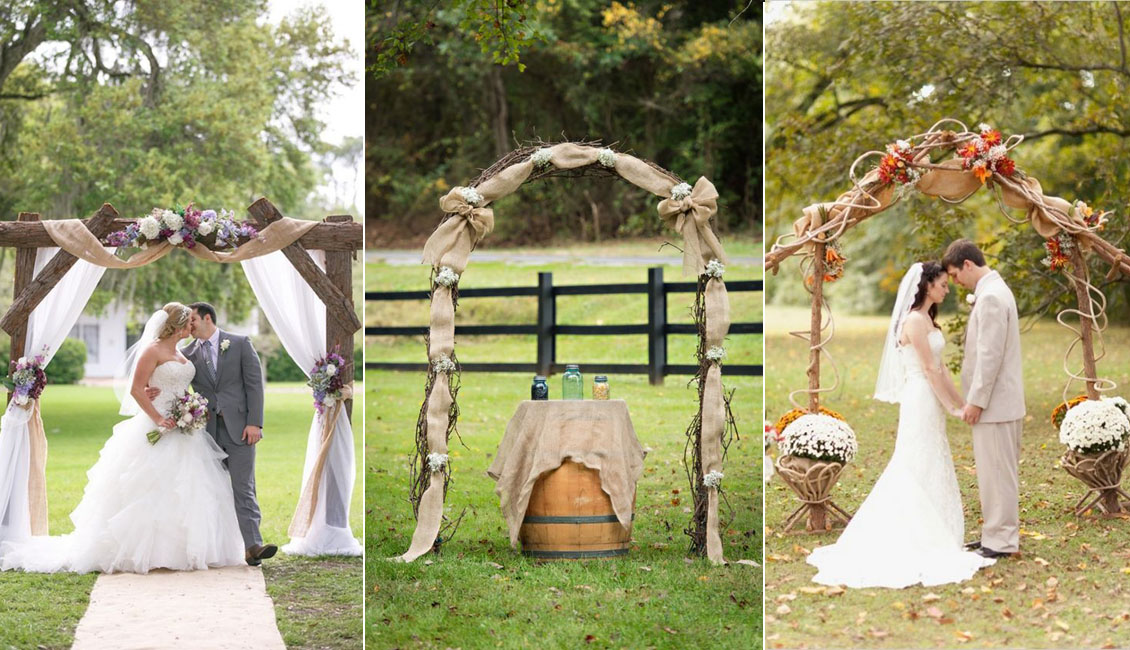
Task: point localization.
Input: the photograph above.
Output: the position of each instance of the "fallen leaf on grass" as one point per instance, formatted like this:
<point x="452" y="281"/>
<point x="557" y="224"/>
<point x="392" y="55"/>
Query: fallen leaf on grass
<point x="783" y="610"/>
<point x="834" y="591"/>
<point x="645" y="568"/>
<point x="934" y="612"/>
<point x="1042" y="562"/>
<point x="931" y="597"/>
<point x="1007" y="613"/>
<point x="589" y="638"/>
<point x="963" y="637"/>
<point x="1063" y="626"/>
<point x="495" y="565"/>
<point x="775" y="557"/>
<point x="1052" y="582"/>
<point x="748" y="563"/>
<point x="812" y="590"/>
<point x="878" y="634"/>
<point x="669" y="630"/>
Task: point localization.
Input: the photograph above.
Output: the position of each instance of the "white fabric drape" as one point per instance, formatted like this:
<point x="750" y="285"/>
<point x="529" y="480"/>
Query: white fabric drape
<point x="298" y="316"/>
<point x="48" y="326"/>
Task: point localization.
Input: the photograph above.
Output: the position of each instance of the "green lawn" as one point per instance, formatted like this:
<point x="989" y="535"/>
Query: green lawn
<point x="481" y="593"/>
<point x="1067" y="588"/>
<point x="45" y="609"/>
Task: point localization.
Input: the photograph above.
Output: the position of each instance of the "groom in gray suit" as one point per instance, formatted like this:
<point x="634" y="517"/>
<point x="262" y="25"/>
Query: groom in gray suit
<point x="993" y="384"/>
<point x="229" y="376"/>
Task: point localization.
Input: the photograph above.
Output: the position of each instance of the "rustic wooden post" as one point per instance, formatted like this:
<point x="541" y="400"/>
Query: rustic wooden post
<point x="25" y="269"/>
<point x="339" y="269"/>
<point x="814" y="335"/>
<point x="1086" y="325"/>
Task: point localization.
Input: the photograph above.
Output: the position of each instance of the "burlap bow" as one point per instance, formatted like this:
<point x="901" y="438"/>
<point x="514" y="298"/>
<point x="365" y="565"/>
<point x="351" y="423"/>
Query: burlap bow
<point x="460" y="233"/>
<point x="691" y="217"/>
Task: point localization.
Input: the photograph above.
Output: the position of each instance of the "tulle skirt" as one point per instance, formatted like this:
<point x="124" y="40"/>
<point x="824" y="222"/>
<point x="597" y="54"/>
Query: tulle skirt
<point x="167" y="505"/>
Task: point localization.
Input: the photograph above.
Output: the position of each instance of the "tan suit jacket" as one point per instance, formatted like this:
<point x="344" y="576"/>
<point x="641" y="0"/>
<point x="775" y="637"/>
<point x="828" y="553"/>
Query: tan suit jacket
<point x="991" y="375"/>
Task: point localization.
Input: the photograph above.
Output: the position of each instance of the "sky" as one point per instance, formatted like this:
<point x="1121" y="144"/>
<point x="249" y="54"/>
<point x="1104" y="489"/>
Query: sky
<point x="344" y="114"/>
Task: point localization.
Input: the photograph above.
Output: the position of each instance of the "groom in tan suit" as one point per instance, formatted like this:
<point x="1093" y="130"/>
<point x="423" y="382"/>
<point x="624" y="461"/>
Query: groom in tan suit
<point x="993" y="384"/>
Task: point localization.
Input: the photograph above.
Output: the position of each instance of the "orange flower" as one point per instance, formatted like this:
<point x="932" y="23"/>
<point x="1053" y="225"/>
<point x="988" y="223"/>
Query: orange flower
<point x="982" y="172"/>
<point x="991" y="137"/>
<point x="968" y="151"/>
<point x="832" y="256"/>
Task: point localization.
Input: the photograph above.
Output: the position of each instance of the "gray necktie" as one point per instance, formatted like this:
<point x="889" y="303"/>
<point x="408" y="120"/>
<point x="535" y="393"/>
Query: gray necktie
<point x="208" y="360"/>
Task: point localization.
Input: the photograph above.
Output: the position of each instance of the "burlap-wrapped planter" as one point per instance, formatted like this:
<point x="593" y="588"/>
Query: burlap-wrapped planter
<point x="1102" y="474"/>
<point x="812" y="481"/>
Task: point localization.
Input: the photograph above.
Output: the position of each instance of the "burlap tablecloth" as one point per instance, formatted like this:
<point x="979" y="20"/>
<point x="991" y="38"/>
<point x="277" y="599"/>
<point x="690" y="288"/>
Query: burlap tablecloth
<point x="544" y="434"/>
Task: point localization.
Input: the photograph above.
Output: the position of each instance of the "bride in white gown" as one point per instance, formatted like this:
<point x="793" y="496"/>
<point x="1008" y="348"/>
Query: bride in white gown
<point x="910" y="528"/>
<point x="147" y="506"/>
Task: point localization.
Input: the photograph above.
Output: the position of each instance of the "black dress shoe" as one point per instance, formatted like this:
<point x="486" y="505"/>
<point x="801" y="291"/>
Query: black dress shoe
<point x="973" y="546"/>
<point x="256" y="554"/>
<point x="987" y="552"/>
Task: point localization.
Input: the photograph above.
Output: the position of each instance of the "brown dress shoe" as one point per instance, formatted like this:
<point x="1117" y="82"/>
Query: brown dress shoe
<point x="256" y="554"/>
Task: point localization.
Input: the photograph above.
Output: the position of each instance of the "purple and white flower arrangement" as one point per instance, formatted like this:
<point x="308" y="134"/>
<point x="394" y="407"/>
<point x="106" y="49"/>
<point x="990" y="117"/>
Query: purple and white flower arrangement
<point x="26" y="379"/>
<point x="189" y="411"/>
<point x="326" y="381"/>
<point x="184" y="227"/>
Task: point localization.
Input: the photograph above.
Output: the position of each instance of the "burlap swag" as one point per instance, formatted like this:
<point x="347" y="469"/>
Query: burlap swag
<point x="451" y="245"/>
<point x="311" y="492"/>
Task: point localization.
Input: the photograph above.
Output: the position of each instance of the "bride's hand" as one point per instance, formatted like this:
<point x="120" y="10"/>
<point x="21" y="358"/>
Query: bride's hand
<point x="167" y="423"/>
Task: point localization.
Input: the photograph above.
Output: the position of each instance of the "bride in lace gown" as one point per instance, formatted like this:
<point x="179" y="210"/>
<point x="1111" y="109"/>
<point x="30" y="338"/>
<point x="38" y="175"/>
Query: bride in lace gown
<point x="910" y="528"/>
<point x="147" y="506"/>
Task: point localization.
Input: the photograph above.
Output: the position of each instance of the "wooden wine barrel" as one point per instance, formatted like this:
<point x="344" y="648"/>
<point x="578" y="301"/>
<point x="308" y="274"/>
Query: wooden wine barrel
<point x="569" y="517"/>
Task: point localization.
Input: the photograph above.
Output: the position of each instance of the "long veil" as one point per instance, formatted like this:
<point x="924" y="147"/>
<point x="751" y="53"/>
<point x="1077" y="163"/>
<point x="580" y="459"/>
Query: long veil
<point x="890" y="381"/>
<point x="123" y="378"/>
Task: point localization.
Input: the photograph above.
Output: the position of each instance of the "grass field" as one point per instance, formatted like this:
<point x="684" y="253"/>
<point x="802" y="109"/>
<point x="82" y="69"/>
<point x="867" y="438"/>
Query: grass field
<point x="481" y="593"/>
<point x="317" y="601"/>
<point x="1068" y="588"/>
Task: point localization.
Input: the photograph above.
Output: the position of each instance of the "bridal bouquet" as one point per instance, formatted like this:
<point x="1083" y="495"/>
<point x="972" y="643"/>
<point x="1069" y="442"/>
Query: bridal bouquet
<point x="1095" y="426"/>
<point x="819" y="437"/>
<point x="190" y="411"/>
<point x="183" y="227"/>
<point x="26" y="379"/>
<point x="327" y="381"/>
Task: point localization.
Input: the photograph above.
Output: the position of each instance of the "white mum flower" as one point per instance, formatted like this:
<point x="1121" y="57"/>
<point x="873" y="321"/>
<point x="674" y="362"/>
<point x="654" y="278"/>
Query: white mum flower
<point x="447" y="277"/>
<point x="902" y="145"/>
<point x="819" y="437"/>
<point x="436" y="462"/>
<point x="149" y="227"/>
<point x="172" y="220"/>
<point x="716" y="353"/>
<point x="205" y="228"/>
<point x="471" y="196"/>
<point x="713" y="479"/>
<point x="983" y="127"/>
<point x="443" y="364"/>
<point x="1095" y="426"/>
<point x="715" y="269"/>
<point x="541" y="157"/>
<point x="176" y="239"/>
<point x="606" y="157"/>
<point x="680" y="191"/>
<point x="331" y="369"/>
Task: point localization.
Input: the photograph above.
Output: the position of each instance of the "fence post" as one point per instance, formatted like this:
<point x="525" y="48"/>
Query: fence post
<point x="656" y="326"/>
<point x="547" y="324"/>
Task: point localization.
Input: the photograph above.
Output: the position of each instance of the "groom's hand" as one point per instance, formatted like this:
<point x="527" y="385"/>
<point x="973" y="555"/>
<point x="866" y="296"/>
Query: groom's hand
<point x="152" y="392"/>
<point x="971" y="414"/>
<point x="252" y="435"/>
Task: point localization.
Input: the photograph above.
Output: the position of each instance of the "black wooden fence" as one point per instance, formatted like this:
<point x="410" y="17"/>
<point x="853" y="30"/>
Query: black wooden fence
<point x="657" y="328"/>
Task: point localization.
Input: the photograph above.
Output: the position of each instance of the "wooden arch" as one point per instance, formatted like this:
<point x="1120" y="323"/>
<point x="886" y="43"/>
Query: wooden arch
<point x="934" y="173"/>
<point x="338" y="235"/>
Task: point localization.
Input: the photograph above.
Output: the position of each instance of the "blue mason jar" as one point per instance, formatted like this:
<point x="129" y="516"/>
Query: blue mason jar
<point x="539" y="390"/>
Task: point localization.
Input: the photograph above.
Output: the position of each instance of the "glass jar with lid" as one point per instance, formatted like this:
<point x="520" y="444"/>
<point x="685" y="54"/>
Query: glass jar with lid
<point x="600" y="388"/>
<point x="572" y="384"/>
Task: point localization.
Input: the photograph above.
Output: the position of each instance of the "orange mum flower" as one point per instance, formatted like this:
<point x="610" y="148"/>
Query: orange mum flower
<point x="982" y="173"/>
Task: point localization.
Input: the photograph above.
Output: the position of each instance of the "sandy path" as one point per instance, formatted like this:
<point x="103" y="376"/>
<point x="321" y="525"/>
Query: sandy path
<point x="219" y="608"/>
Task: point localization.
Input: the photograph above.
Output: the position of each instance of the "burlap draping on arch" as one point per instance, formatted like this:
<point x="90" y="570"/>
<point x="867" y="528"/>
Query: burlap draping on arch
<point x="73" y="236"/>
<point x="1048" y="215"/>
<point x="451" y="245"/>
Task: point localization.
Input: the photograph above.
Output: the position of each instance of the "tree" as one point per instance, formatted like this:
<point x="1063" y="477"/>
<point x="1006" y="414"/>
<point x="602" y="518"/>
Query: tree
<point x="846" y="78"/>
<point x="156" y="104"/>
<point x="678" y="84"/>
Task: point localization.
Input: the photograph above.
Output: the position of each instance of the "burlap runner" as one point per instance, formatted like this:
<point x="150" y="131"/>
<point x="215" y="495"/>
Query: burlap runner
<point x="714" y="410"/>
<point x="308" y="502"/>
<point x="543" y="434"/>
<point x="452" y="242"/>
<point x="72" y="236"/>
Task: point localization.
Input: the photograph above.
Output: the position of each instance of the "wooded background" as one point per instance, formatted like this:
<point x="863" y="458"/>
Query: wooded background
<point x="154" y="104"/>
<point x="846" y="78"/>
<point x="451" y="90"/>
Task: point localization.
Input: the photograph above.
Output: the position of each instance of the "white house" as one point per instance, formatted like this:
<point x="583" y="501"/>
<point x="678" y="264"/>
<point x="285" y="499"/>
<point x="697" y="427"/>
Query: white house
<point x="106" y="339"/>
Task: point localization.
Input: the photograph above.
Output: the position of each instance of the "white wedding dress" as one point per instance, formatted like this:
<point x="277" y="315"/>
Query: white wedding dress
<point x="166" y="505"/>
<point x="910" y="528"/>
